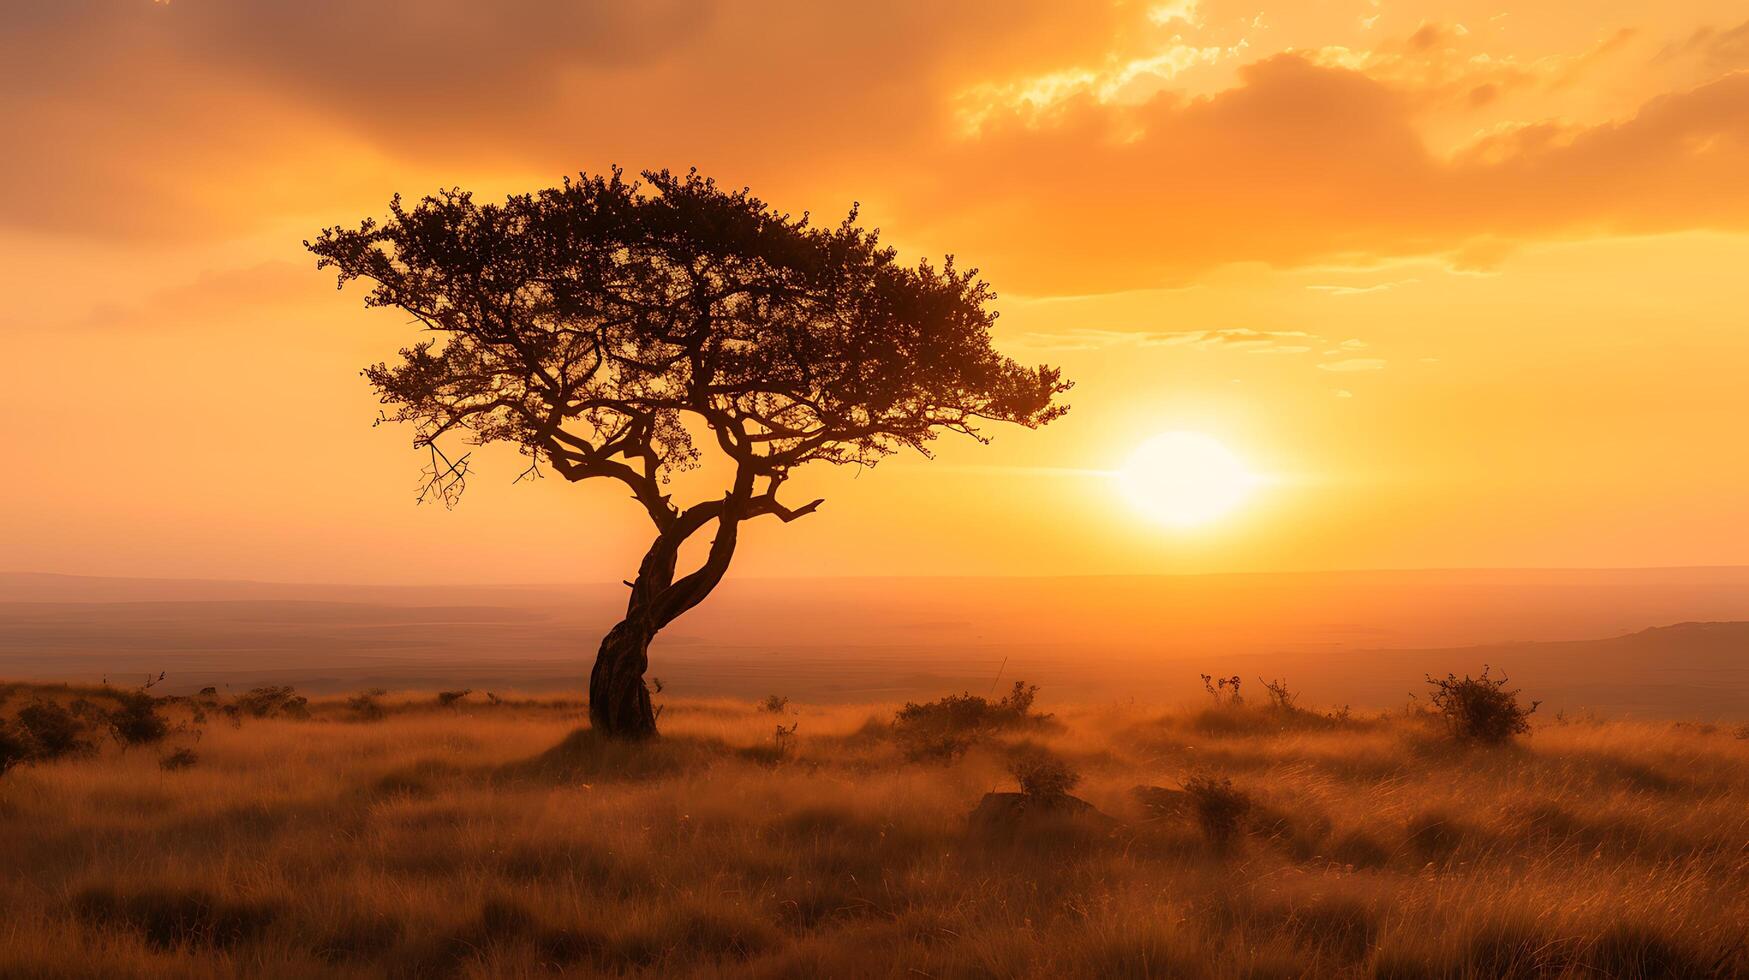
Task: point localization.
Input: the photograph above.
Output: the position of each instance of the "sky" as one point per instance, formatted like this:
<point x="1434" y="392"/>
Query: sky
<point x="1462" y="283"/>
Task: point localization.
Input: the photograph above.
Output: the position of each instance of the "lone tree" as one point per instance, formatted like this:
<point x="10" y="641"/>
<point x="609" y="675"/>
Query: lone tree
<point x="603" y="325"/>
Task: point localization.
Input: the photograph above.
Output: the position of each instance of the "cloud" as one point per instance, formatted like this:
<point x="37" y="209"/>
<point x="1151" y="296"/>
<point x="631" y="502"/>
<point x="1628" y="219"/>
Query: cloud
<point x="1378" y="287"/>
<point x="1354" y="364"/>
<point x="1243" y="339"/>
<point x="1086" y="172"/>
<point x="1302" y="163"/>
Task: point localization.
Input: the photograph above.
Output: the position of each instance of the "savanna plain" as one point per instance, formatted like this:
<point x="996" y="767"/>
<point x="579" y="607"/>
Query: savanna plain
<point x="489" y="835"/>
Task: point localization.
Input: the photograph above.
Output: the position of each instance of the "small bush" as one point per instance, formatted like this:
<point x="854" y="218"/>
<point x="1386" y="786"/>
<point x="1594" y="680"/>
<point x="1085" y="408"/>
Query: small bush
<point x="1043" y="777"/>
<point x="14" y="747"/>
<point x="53" y="730"/>
<point x="179" y="759"/>
<point x="945" y="728"/>
<point x="1480" y="709"/>
<point x="775" y="704"/>
<point x="1280" y="698"/>
<point x="448" y="699"/>
<point x="136" y="721"/>
<point x="366" y="707"/>
<point x="274" y="702"/>
<point x="1220" y="808"/>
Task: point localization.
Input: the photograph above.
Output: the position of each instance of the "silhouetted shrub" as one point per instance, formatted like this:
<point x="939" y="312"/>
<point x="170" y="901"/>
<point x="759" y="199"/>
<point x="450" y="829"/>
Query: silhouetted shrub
<point x="1280" y="698"/>
<point x="136" y="721"/>
<point x="1042" y="776"/>
<point x="448" y="699"/>
<point x="52" y="729"/>
<point x="274" y="702"/>
<point x="366" y="707"/>
<point x="1480" y="709"/>
<point x="945" y="728"/>
<point x="774" y="703"/>
<point x="1220" y="808"/>
<point x="14" y="747"/>
<point x="179" y="759"/>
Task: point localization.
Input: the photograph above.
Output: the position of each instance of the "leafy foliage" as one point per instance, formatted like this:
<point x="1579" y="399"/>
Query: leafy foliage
<point x="136" y="721"/>
<point x="947" y="727"/>
<point x="1480" y="709"/>
<point x="1220" y="808"/>
<point x="14" y="747"/>
<point x="1043" y="776"/>
<point x="53" y="731"/>
<point x="366" y="707"/>
<point x="583" y="322"/>
<point x="278" y="701"/>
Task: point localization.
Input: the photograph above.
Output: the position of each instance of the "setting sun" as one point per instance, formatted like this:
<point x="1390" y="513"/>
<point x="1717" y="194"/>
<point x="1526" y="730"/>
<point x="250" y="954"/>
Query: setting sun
<point x="1185" y="479"/>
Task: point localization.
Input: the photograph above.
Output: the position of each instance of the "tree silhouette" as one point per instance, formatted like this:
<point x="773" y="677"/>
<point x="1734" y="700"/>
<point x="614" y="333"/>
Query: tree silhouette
<point x="601" y="325"/>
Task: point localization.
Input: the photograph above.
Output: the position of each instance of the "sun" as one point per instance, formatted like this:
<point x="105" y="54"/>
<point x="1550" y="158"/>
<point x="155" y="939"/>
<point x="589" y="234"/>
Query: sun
<point x="1185" y="479"/>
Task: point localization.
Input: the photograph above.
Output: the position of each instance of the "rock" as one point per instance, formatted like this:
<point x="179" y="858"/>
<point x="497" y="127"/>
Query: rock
<point x="1008" y="815"/>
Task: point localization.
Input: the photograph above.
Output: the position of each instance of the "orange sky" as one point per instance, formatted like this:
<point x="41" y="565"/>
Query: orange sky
<point x="1464" y="279"/>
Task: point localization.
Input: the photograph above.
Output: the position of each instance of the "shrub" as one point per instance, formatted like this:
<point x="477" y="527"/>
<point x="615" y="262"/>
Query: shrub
<point x="1480" y="709"/>
<point x="179" y="759"/>
<point x="1042" y="776"/>
<point x="774" y="703"/>
<point x="366" y="707"/>
<point x="947" y="727"/>
<point x="53" y="730"/>
<point x="14" y="747"/>
<point x="274" y="701"/>
<point x="1220" y="808"/>
<point x="136" y="721"/>
<point x="1280" y="698"/>
<point x="448" y="699"/>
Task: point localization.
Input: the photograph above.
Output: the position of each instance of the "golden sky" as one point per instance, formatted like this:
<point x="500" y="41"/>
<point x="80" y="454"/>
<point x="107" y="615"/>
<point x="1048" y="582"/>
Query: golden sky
<point x="1464" y="281"/>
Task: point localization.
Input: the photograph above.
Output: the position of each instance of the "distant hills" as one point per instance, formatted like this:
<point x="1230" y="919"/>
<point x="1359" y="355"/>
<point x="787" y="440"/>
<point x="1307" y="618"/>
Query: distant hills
<point x="1573" y="637"/>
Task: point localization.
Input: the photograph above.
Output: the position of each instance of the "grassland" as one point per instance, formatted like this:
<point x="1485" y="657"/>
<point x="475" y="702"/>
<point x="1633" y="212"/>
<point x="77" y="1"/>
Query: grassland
<point x="500" y="840"/>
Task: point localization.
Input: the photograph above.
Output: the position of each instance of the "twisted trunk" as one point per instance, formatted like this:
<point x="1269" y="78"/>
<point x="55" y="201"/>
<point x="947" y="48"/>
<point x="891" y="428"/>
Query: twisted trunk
<point x="619" y="703"/>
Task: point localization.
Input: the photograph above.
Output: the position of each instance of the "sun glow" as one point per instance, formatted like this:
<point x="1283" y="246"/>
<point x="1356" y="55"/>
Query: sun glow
<point x="1185" y="479"/>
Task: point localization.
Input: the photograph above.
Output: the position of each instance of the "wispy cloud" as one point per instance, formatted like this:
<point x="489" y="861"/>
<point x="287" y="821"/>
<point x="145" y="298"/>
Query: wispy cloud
<point x="1354" y="364"/>
<point x="1244" y="339"/>
<point x="1377" y="287"/>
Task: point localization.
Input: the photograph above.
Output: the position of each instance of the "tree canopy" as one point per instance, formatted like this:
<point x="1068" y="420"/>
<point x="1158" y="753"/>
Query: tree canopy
<point x="585" y="322"/>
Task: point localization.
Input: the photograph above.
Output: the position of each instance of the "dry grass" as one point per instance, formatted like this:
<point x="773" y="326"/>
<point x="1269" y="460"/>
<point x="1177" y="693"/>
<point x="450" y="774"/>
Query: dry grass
<point x="495" y="839"/>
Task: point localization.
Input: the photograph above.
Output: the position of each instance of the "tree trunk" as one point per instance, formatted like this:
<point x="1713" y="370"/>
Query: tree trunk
<point x="619" y="703"/>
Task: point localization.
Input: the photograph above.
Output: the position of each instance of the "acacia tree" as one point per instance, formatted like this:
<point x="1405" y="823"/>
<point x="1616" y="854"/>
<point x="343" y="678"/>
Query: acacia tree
<point x="603" y="325"/>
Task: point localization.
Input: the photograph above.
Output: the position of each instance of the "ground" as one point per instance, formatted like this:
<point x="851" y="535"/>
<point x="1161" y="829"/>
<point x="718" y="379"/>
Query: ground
<point x="501" y="839"/>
